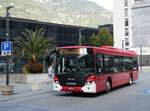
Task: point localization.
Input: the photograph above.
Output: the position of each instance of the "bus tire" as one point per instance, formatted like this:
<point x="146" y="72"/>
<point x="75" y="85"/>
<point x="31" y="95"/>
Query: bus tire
<point x="108" y="86"/>
<point x="130" y="80"/>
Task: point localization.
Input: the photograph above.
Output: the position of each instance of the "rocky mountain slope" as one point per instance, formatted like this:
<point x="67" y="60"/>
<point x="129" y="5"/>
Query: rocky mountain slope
<point x="74" y="12"/>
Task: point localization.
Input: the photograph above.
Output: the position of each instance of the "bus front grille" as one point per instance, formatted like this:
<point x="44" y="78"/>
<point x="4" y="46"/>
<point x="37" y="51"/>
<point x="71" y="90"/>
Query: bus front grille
<point x="71" y="80"/>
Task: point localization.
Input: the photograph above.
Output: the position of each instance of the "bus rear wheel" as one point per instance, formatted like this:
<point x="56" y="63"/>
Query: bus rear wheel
<point x="108" y="86"/>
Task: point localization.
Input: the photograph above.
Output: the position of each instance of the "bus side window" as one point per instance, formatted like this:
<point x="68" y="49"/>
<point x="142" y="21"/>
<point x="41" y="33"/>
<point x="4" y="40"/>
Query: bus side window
<point x="99" y="63"/>
<point x="115" y="64"/>
<point x="108" y="62"/>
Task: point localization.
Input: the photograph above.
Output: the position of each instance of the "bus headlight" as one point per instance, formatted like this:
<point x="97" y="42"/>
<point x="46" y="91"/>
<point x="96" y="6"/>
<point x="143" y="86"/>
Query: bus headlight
<point x="89" y="82"/>
<point x="89" y="87"/>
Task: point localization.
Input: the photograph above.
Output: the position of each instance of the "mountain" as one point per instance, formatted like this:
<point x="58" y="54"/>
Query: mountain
<point x="73" y="12"/>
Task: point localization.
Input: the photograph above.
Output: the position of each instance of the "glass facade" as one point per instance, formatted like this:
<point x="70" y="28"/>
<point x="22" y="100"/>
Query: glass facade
<point x="63" y="35"/>
<point x="109" y="27"/>
<point x="141" y="26"/>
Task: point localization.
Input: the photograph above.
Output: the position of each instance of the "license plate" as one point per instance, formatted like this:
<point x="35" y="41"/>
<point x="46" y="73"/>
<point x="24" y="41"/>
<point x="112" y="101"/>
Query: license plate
<point x="71" y="83"/>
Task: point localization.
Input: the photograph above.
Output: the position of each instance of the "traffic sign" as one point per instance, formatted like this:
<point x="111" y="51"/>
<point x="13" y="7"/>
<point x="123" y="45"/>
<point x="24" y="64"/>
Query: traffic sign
<point x="6" y="48"/>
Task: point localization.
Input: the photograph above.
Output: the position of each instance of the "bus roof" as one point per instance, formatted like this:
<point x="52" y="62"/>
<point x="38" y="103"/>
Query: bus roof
<point x="74" y="47"/>
<point x="105" y="50"/>
<point x="115" y="51"/>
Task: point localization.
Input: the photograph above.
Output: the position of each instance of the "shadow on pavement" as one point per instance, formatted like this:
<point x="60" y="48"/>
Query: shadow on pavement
<point x="74" y="94"/>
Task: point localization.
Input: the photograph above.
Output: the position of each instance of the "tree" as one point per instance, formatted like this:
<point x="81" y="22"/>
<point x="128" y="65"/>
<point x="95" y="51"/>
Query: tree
<point x="33" y="45"/>
<point x="94" y="40"/>
<point x="105" y="37"/>
<point x="102" y="38"/>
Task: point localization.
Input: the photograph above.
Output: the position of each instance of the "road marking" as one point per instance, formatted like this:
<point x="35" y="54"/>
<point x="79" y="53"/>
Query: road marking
<point x="146" y="91"/>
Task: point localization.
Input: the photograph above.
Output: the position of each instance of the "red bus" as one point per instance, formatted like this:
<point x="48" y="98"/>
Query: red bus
<point x="93" y="69"/>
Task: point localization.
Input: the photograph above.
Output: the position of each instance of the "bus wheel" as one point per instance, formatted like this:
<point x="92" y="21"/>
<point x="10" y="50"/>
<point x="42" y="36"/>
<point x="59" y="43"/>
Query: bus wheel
<point x="130" y="80"/>
<point x="108" y="86"/>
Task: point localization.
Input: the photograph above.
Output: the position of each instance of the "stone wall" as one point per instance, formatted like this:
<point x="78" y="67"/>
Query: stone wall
<point x="23" y="78"/>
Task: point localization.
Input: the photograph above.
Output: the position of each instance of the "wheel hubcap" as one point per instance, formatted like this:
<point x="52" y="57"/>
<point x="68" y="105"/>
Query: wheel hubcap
<point x="108" y="86"/>
<point x="130" y="81"/>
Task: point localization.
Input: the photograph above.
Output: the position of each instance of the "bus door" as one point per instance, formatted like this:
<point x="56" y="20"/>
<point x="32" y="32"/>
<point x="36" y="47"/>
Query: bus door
<point x="100" y="72"/>
<point x="135" y="68"/>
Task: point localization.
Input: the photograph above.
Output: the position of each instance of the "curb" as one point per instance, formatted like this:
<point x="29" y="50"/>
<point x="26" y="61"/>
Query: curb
<point x="23" y="95"/>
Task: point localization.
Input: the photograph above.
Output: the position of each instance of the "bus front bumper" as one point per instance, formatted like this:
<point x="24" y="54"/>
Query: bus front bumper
<point x="87" y="88"/>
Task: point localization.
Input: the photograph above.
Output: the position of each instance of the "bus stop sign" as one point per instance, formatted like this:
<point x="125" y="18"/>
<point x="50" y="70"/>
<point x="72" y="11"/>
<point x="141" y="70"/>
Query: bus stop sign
<point x="6" y="48"/>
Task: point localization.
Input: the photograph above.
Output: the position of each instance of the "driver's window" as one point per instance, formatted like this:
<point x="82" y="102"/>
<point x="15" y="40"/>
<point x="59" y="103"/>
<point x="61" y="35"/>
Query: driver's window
<point x="99" y="63"/>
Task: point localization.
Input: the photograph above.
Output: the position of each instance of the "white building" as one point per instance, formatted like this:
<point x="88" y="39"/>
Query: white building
<point x="141" y="29"/>
<point x="122" y="20"/>
<point x="132" y="27"/>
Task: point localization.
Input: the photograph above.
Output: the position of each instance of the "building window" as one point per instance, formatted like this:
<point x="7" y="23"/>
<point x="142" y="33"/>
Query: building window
<point x="126" y="43"/>
<point x="126" y="22"/>
<point x="126" y="12"/>
<point x="126" y="3"/>
<point x="126" y="32"/>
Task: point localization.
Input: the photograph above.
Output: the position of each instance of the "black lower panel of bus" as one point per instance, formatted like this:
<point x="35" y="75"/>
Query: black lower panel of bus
<point x="71" y="79"/>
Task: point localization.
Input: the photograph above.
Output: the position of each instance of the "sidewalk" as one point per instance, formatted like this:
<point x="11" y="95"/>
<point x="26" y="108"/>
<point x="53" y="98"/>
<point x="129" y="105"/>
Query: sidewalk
<point x="145" y="69"/>
<point x="24" y="90"/>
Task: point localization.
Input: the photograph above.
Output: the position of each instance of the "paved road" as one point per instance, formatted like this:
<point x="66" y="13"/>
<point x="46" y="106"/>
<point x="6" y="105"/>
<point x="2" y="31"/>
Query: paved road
<point x="126" y="98"/>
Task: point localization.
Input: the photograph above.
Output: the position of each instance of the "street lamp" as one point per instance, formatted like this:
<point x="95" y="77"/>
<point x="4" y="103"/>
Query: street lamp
<point x="80" y="34"/>
<point x="7" y="21"/>
<point x="7" y="89"/>
<point x="7" y="38"/>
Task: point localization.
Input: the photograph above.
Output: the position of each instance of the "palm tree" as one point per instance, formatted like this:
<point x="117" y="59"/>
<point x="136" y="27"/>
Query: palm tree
<point x="33" y="45"/>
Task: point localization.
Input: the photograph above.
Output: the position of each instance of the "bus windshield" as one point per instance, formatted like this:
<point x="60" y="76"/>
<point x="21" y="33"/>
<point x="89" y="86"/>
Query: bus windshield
<point x="75" y="62"/>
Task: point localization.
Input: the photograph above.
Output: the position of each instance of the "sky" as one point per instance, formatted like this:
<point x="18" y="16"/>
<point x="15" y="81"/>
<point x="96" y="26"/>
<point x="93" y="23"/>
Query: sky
<point x="108" y="4"/>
